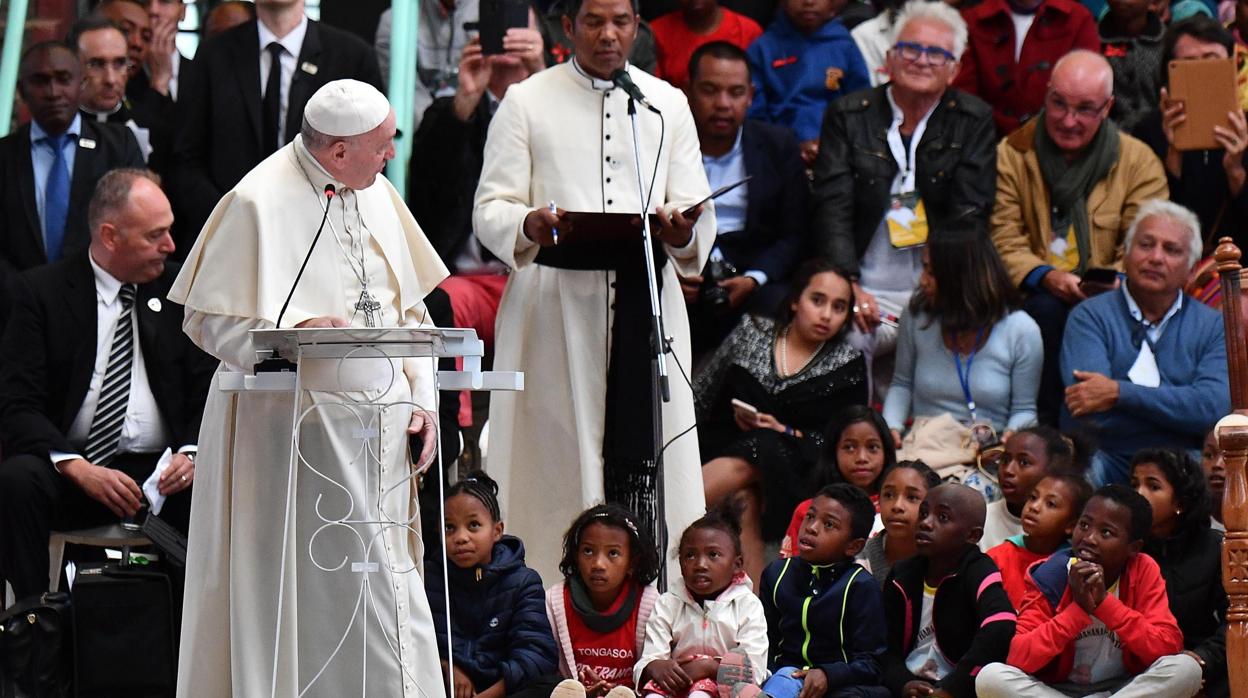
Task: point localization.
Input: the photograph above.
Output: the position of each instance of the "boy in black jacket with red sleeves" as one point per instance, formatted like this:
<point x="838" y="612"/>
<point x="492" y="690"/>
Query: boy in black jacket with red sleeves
<point x="948" y="614"/>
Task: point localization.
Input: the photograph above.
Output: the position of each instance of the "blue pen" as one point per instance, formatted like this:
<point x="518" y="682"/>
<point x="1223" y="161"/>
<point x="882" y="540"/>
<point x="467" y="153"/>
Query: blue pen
<point x="554" y="232"/>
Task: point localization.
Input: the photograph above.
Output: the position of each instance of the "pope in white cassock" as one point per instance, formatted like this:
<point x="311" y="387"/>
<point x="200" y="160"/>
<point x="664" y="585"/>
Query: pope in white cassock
<point x="333" y="605"/>
<point x="575" y="317"/>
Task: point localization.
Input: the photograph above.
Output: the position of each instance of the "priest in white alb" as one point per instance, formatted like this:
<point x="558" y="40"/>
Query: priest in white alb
<point x="575" y="318"/>
<point x="302" y="575"/>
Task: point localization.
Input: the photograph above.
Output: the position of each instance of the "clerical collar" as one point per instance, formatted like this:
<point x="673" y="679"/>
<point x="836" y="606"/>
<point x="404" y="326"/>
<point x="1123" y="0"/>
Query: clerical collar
<point x="102" y="116"/>
<point x="315" y="172"/>
<point x="594" y="83"/>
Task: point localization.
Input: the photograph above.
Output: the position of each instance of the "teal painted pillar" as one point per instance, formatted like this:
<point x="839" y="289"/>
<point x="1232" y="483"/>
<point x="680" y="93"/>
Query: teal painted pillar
<point x="405" y="20"/>
<point x="13" y="30"/>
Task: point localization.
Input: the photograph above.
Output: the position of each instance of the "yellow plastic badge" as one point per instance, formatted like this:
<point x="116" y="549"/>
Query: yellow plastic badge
<point x="832" y="78"/>
<point x="907" y="221"/>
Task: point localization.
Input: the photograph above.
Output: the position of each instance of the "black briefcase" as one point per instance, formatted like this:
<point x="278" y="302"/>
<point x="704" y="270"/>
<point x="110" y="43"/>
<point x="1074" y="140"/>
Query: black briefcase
<point x="124" y="637"/>
<point x="35" y="647"/>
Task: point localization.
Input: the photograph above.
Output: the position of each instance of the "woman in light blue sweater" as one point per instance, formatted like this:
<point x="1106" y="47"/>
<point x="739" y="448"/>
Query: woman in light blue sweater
<point x="962" y="347"/>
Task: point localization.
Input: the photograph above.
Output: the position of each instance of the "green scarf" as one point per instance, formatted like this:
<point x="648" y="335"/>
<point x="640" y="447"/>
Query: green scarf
<point x="1070" y="183"/>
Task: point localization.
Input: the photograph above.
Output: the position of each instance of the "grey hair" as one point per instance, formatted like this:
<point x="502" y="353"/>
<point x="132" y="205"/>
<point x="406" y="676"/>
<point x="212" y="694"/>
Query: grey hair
<point x="315" y="140"/>
<point x="1168" y="209"/>
<point x="937" y="12"/>
<point x="1108" y="69"/>
<point x="112" y="192"/>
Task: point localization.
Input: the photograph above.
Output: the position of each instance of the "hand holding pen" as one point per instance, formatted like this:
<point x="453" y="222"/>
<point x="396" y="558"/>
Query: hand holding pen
<point x="544" y="225"/>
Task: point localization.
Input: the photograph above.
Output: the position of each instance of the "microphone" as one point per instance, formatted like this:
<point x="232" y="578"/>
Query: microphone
<point x="622" y="80"/>
<point x="330" y="191"/>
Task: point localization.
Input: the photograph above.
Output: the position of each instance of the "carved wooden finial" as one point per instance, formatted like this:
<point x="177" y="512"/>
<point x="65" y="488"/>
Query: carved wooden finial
<point x="1227" y="255"/>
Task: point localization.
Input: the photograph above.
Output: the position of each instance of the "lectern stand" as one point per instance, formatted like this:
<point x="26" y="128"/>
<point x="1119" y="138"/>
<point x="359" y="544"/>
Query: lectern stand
<point x="347" y="610"/>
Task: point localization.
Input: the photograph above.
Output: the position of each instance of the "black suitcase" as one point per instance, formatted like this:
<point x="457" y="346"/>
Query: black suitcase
<point x="125" y="641"/>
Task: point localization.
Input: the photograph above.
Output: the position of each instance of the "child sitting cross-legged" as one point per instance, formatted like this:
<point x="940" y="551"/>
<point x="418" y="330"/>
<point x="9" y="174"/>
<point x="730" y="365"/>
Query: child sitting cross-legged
<point x="599" y="611"/>
<point x="947" y="613"/>
<point x="1048" y="520"/>
<point x="707" y="635"/>
<point x="824" y="613"/>
<point x="1095" y="619"/>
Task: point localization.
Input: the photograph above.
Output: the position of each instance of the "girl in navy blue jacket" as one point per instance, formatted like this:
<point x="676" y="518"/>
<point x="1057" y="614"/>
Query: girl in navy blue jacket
<point x="500" y="637"/>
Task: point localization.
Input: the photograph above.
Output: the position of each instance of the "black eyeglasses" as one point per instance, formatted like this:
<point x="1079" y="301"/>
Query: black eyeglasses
<point x="936" y="56"/>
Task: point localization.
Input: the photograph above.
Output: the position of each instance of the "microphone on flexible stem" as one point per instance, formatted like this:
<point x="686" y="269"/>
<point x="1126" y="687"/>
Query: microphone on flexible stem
<point x="622" y="80"/>
<point x="275" y="363"/>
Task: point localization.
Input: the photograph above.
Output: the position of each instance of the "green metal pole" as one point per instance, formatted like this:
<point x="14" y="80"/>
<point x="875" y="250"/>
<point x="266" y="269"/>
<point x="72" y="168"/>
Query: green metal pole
<point x="13" y="30"/>
<point x="405" y="19"/>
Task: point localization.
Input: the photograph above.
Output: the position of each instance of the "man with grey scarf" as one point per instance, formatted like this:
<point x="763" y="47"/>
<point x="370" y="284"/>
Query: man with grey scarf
<point x="1068" y="186"/>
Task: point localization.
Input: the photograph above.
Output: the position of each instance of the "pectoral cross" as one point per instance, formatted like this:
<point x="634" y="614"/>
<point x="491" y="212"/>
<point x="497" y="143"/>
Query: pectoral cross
<point x="370" y="306"/>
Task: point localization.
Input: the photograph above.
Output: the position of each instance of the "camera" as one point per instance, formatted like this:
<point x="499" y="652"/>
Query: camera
<point x="711" y="295"/>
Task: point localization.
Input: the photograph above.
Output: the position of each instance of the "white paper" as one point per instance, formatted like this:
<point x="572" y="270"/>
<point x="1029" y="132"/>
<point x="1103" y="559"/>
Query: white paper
<point x="151" y="486"/>
<point x="1144" y="371"/>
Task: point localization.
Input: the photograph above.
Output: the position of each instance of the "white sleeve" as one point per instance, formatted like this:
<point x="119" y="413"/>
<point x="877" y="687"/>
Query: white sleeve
<point x="224" y="336"/>
<point x="658" y="635"/>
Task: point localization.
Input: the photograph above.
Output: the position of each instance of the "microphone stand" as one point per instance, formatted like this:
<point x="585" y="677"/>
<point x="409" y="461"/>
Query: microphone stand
<point x="660" y="345"/>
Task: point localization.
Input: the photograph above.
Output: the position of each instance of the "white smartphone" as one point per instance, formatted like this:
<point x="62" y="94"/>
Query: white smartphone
<point x="745" y="407"/>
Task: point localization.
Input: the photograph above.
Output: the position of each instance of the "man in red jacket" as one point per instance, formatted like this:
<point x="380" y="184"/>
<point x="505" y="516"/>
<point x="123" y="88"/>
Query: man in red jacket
<point x="1012" y="49"/>
<point x="1095" y="619"/>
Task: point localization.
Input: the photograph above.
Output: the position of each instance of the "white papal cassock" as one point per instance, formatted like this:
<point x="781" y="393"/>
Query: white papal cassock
<point x="563" y="136"/>
<point x="347" y="616"/>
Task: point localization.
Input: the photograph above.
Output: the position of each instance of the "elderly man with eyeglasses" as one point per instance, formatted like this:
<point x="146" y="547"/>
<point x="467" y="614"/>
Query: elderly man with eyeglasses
<point x="894" y="159"/>
<point x="1068" y="186"/>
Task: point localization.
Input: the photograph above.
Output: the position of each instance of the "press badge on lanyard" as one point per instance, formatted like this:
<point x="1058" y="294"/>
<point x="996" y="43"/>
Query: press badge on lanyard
<point x="978" y="430"/>
<point x="906" y="217"/>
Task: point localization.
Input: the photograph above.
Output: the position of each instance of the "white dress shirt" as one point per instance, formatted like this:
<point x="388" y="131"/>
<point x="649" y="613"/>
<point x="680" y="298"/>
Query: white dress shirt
<point x="293" y="44"/>
<point x="144" y="429"/>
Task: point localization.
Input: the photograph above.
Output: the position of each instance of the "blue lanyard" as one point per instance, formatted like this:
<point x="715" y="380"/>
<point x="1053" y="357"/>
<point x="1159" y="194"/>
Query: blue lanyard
<point x="964" y="375"/>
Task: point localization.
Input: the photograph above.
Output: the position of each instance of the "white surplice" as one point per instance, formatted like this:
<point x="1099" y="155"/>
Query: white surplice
<point x="333" y="604"/>
<point x="562" y="136"/>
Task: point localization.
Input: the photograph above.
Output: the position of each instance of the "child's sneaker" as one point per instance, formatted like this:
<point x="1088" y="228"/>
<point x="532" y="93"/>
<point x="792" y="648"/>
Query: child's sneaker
<point x="621" y="692"/>
<point x="571" y="688"/>
<point x="748" y="690"/>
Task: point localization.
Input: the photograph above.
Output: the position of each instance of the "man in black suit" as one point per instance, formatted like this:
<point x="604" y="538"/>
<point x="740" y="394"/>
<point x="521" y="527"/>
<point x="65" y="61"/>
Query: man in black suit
<point x="229" y="119"/>
<point x="49" y="82"/>
<point x="761" y="224"/>
<point x="101" y="48"/>
<point x="97" y="379"/>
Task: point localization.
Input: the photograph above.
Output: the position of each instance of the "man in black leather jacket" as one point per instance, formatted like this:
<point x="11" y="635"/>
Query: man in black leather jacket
<point x="911" y="150"/>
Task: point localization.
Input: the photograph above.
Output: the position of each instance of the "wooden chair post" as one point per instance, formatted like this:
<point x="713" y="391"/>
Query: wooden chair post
<point x="1232" y="435"/>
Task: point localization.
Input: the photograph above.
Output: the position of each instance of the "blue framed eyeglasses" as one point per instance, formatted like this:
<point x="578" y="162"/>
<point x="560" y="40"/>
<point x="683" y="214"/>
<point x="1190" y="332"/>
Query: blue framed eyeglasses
<point x="936" y="56"/>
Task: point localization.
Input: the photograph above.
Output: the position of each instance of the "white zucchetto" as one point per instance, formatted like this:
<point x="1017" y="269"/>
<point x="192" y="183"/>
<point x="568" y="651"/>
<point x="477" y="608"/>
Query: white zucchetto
<point x="345" y="108"/>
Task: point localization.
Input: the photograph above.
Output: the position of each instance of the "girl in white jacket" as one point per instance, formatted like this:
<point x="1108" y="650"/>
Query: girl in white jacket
<point x="707" y="633"/>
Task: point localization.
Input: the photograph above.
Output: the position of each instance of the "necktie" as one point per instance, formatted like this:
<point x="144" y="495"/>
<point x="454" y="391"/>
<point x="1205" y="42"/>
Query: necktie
<point x="56" y="198"/>
<point x="273" y="99"/>
<point x="110" y="411"/>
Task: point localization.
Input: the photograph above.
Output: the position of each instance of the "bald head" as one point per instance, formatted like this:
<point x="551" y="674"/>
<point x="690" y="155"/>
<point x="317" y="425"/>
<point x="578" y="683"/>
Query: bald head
<point x="1080" y="70"/>
<point x="966" y="501"/>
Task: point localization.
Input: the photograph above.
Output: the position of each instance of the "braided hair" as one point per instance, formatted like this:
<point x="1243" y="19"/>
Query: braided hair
<point x="481" y="487"/>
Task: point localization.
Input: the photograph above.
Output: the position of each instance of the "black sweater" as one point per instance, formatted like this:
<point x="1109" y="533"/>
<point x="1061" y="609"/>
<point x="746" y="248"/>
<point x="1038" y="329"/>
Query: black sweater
<point x="1191" y="564"/>
<point x="972" y="615"/>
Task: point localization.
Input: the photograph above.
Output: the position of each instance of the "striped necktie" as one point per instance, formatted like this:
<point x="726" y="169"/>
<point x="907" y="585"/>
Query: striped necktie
<point x="110" y="410"/>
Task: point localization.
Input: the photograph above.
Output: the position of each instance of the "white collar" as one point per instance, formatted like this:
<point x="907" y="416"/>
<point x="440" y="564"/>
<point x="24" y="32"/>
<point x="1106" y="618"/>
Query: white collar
<point x="1134" y="308"/>
<point x="292" y="42"/>
<point x="314" y="170"/>
<point x="899" y="117"/>
<point x="106" y="285"/>
<point x="594" y="83"/>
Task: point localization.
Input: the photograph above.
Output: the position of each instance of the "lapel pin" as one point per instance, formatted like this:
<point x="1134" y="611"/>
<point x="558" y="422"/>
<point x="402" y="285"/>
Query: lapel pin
<point x="154" y="304"/>
<point x="309" y="68"/>
<point x="87" y="143"/>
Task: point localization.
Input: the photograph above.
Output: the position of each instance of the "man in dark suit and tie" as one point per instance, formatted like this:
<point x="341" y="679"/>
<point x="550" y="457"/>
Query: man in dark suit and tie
<point x="761" y="224"/>
<point x="97" y="380"/>
<point x="235" y="109"/>
<point x="49" y="167"/>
